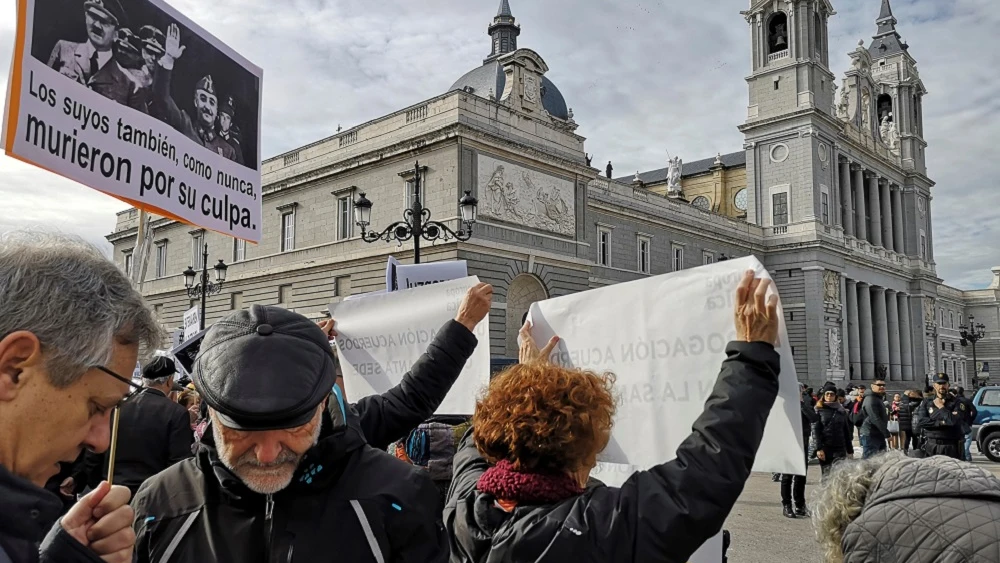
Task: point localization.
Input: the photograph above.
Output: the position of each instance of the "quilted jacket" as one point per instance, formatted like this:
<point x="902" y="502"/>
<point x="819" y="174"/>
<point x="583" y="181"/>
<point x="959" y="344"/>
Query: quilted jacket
<point x="933" y="510"/>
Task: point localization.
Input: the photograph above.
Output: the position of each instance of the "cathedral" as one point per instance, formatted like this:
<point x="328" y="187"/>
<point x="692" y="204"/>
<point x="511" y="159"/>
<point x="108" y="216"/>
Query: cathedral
<point x="830" y="190"/>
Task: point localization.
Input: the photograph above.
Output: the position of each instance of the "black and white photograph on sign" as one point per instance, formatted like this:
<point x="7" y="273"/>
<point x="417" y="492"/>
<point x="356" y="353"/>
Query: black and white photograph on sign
<point x="133" y="53"/>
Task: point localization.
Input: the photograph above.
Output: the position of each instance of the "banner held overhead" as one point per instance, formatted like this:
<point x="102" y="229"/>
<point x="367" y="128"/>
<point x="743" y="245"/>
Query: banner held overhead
<point x="137" y="101"/>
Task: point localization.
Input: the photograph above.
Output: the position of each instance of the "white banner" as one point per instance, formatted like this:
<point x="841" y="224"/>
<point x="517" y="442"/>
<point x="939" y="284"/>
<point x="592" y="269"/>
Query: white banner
<point x="192" y="322"/>
<point x="664" y="338"/>
<point x="380" y="336"/>
<point x="139" y="103"/>
<point x="408" y="276"/>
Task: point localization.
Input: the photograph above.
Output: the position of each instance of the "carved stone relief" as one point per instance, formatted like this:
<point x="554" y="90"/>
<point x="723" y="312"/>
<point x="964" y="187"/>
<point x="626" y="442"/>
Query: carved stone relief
<point x="836" y="350"/>
<point x="515" y="194"/>
<point x="531" y="89"/>
<point x="929" y="311"/>
<point x="831" y="288"/>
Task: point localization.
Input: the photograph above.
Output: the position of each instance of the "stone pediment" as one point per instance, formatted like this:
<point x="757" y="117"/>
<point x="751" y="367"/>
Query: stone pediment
<point x="525" y="58"/>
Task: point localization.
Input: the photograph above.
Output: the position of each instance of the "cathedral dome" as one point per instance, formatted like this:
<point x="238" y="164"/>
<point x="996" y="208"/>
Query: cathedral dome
<point x="491" y="79"/>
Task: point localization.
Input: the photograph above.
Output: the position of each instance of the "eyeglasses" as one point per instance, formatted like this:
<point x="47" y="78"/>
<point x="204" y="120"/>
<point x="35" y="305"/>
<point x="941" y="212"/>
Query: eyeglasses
<point x="128" y="382"/>
<point x="878" y="384"/>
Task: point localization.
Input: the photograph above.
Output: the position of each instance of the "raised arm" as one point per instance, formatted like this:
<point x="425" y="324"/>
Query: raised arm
<point x="676" y="506"/>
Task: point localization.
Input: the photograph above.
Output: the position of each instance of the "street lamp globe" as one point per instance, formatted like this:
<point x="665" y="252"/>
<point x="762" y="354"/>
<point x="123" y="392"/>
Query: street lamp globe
<point x="189" y="275"/>
<point x="220" y="272"/>
<point x="469" y="207"/>
<point x="363" y="211"/>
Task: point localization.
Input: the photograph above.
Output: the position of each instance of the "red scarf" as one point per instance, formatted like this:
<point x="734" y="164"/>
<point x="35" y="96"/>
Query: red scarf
<point x="511" y="487"/>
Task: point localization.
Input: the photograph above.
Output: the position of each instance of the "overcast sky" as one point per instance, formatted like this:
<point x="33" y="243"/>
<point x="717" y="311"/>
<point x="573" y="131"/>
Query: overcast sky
<point x="642" y="78"/>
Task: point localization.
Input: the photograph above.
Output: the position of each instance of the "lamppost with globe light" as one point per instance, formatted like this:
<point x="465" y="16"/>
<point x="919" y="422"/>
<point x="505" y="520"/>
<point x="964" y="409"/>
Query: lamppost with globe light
<point x="416" y="223"/>
<point x="204" y="287"/>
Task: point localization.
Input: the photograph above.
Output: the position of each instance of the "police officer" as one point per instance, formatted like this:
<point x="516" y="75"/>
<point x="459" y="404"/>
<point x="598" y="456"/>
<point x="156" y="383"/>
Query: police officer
<point x="941" y="418"/>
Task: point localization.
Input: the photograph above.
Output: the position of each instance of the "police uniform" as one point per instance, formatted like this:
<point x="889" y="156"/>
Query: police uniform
<point x="942" y="427"/>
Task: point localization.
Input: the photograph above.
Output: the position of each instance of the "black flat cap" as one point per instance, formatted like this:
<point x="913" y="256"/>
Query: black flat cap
<point x="264" y="369"/>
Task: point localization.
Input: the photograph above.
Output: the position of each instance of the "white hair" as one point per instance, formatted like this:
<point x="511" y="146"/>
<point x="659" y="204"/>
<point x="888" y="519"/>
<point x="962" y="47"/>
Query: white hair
<point x="73" y="299"/>
<point x="841" y="498"/>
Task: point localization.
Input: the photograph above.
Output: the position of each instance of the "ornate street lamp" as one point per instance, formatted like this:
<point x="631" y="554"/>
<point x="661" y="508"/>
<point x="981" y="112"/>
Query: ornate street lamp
<point x="204" y="287"/>
<point x="971" y="334"/>
<point x="417" y="223"/>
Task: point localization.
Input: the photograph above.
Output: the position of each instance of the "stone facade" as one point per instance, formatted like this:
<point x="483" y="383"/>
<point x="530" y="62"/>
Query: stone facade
<point x="838" y="211"/>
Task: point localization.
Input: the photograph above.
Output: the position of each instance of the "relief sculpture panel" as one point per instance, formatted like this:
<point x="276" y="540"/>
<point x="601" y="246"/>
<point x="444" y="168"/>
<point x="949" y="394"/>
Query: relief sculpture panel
<point x="515" y="194"/>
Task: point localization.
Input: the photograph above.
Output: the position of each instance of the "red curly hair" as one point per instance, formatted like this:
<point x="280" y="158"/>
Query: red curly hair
<point x="543" y="418"/>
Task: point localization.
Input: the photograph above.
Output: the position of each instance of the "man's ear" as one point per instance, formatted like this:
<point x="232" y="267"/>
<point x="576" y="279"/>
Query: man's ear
<point x="18" y="350"/>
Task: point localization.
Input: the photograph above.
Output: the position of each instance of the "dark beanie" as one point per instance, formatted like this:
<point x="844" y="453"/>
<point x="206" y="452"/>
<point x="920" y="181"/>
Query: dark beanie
<point x="159" y="367"/>
<point x="829" y="387"/>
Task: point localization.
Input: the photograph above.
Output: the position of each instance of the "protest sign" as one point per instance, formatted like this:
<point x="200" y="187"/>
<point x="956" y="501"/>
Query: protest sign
<point x="139" y="103"/>
<point x="407" y="276"/>
<point x="192" y="322"/>
<point x="380" y="336"/>
<point x="664" y="338"/>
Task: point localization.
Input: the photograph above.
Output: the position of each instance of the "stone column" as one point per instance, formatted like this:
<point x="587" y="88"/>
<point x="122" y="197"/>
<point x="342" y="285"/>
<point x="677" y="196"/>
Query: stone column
<point x="875" y="228"/>
<point x="897" y="220"/>
<point x="892" y="316"/>
<point x="906" y="337"/>
<point x="880" y="327"/>
<point x="865" y="331"/>
<point x="853" y="344"/>
<point x="887" y="234"/>
<point x="858" y="185"/>
<point x="845" y="197"/>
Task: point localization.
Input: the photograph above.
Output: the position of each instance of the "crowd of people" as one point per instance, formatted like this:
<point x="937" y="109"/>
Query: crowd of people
<point x="287" y="468"/>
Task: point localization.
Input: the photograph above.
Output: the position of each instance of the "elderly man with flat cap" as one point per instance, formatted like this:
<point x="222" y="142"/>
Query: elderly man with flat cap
<point x="285" y="473"/>
<point x="201" y="129"/>
<point x="81" y="61"/>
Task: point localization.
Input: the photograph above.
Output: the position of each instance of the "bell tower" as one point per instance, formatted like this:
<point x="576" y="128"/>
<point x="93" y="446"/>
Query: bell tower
<point x="900" y="91"/>
<point x="791" y="57"/>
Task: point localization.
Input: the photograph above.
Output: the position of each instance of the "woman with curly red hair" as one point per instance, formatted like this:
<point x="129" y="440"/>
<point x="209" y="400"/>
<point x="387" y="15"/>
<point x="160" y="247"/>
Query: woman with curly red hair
<point x="522" y="490"/>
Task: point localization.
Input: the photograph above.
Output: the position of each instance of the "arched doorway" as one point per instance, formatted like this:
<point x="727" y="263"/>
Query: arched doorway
<point x="523" y="290"/>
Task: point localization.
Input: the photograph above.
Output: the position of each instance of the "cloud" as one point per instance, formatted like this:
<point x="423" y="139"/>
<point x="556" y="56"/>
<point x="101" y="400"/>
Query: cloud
<point x="643" y="78"/>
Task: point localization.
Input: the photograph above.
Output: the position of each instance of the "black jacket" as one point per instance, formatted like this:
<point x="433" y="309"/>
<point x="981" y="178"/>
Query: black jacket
<point x="153" y="434"/>
<point x="834" y="433"/>
<point x="347" y="502"/>
<point x="392" y="415"/>
<point x="663" y="514"/>
<point x="906" y="407"/>
<point x="941" y="424"/>
<point x="876" y="422"/>
<point x="28" y="515"/>
<point x="970" y="412"/>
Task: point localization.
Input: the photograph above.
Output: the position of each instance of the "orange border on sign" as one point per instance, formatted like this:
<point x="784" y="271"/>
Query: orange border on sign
<point x="14" y="106"/>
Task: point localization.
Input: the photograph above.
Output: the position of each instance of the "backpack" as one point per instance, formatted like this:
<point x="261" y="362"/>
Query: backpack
<point x="857" y="416"/>
<point x="432" y="446"/>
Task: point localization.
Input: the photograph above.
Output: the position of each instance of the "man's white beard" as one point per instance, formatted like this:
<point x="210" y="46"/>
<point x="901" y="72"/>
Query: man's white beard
<point x="264" y="481"/>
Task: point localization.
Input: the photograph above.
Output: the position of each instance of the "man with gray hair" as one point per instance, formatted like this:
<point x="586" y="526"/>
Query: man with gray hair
<point x="70" y="323"/>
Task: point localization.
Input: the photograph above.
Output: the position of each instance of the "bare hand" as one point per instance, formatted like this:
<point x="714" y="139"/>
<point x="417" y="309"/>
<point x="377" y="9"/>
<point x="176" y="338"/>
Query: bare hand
<point x="327" y="327"/>
<point x="821" y="455"/>
<point x="528" y="351"/>
<point x="756" y="321"/>
<point x="67" y="486"/>
<point x="475" y="306"/>
<point x="172" y="46"/>
<point x="102" y="521"/>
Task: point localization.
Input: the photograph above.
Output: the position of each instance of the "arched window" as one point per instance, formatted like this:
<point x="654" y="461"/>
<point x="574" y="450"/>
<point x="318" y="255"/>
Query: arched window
<point x="777" y="33"/>
<point x="702" y="202"/>
<point x="820" y="39"/>
<point x="884" y="105"/>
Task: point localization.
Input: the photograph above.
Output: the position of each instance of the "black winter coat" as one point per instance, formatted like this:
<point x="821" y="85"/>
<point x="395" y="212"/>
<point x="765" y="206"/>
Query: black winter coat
<point x="906" y="408"/>
<point x="660" y="515"/>
<point x="28" y="515"/>
<point x="153" y="434"/>
<point x="392" y="415"/>
<point x="346" y="502"/>
<point x="834" y="433"/>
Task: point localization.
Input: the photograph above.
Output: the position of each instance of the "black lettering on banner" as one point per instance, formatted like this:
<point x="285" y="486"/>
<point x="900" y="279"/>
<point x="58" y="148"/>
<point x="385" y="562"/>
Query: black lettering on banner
<point x="67" y="147"/>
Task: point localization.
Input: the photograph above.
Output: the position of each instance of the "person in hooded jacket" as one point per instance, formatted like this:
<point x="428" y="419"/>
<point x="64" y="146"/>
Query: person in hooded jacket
<point x="834" y="434"/>
<point x="284" y="472"/>
<point x="520" y="490"/>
